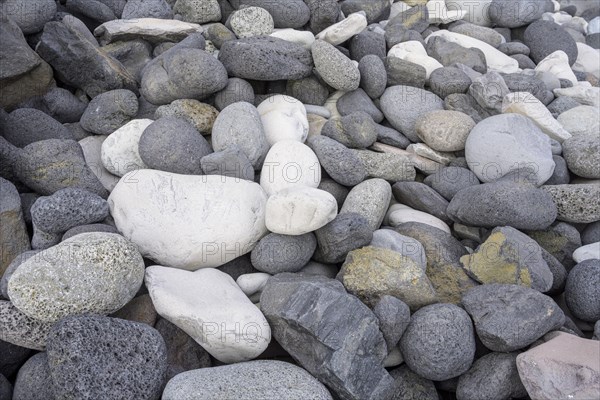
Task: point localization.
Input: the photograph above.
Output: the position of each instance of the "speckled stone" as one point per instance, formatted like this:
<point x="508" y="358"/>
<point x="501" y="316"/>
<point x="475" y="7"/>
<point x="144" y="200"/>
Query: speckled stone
<point x="334" y="67"/>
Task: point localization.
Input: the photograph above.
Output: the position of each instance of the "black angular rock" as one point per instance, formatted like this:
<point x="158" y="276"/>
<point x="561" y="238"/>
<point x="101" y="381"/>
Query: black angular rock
<point x="348" y="231"/>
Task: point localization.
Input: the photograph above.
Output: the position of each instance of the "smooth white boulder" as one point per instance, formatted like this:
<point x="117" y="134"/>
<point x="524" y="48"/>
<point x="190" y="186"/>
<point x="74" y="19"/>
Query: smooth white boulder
<point x="189" y="221"/>
<point x="495" y="59"/>
<point x="526" y="104"/>
<point x="400" y="214"/>
<point x="252" y="283"/>
<point x="283" y="118"/>
<point x="477" y="12"/>
<point x="290" y="163"/>
<point x="587" y="252"/>
<point x="588" y="60"/>
<point x="299" y="210"/>
<point x="339" y="32"/>
<point x="507" y="142"/>
<point x="414" y="52"/>
<point x="210" y="307"/>
<point x="92" y="153"/>
<point x="303" y="38"/>
<point x="120" y="150"/>
<point x="557" y="64"/>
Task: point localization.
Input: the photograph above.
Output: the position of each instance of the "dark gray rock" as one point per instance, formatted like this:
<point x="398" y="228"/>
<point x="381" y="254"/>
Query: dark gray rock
<point x="29" y="125"/>
<point x="185" y="73"/>
<point x="236" y="90"/>
<point x="466" y="104"/>
<point x="355" y="130"/>
<point x="581" y="291"/>
<point x="50" y="165"/>
<point x="392" y="137"/>
<point x="218" y="34"/>
<point x="58" y="103"/>
<point x="238" y="266"/>
<point x="109" y="111"/>
<point x="323" y="13"/>
<point x="89" y="228"/>
<point x="403" y="105"/>
<point x="147" y="9"/>
<point x="559" y="273"/>
<point x="596" y="331"/>
<point x="410" y="386"/>
<point x="591" y="233"/>
<point x="14" y="237"/>
<point x="376" y="10"/>
<point x="6" y="389"/>
<point x="562" y="104"/>
<point x="486" y="35"/>
<point x="100" y="357"/>
<point x="20" y="329"/>
<point x="266" y="59"/>
<point x="407" y="246"/>
<point x="593" y="40"/>
<point x="512" y="48"/>
<point x="450" y="180"/>
<point x="302" y="310"/>
<point x="339" y="192"/>
<point x="33" y="380"/>
<point x="561" y="174"/>
<point x="448" y="53"/>
<point x="421" y="197"/>
<point x="519" y="82"/>
<point x="97" y="10"/>
<point x="77" y="62"/>
<point x="308" y="90"/>
<point x="348" y="231"/>
<point x="67" y="208"/>
<point x="133" y="54"/>
<point x="183" y="353"/>
<point x="448" y="80"/>
<point x="357" y="101"/>
<point x="524" y="61"/>
<point x="402" y="72"/>
<point x="493" y="376"/>
<point x="366" y="43"/>
<point x="373" y="75"/>
<point x="515" y="203"/>
<point x="560" y="240"/>
<point x="439" y="342"/>
<point x="510" y="317"/>
<point x="339" y="162"/>
<point x="229" y="162"/>
<point x="516" y="13"/>
<point x="546" y="37"/>
<point x="29" y="15"/>
<point x="186" y="146"/>
<point x="286" y="14"/>
<point x="394" y="317"/>
<point x="277" y="253"/>
<point x="13" y="357"/>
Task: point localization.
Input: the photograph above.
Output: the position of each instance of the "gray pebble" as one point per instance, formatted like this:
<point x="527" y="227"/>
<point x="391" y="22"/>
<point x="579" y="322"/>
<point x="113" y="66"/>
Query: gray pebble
<point x="394" y="317"/>
<point x="147" y="9"/>
<point x="450" y="180"/>
<point x="581" y="291"/>
<point x="339" y="192"/>
<point x="347" y="232"/>
<point x="519" y="82"/>
<point x="277" y="253"/>
<point x="12" y="267"/>
<point x="512" y="48"/>
<point x="561" y="175"/>
<point x="358" y="101"/>
<point x="338" y="161"/>
<point x="402" y="72"/>
<point x="355" y="130"/>
<point x="560" y="240"/>
<point x="466" y="104"/>
<point x="582" y="154"/>
<point x="373" y="75"/>
<point x="58" y="103"/>
<point x="410" y="386"/>
<point x="34" y="380"/>
<point x="109" y="111"/>
<point x="591" y="233"/>
<point x="448" y="53"/>
<point x="421" y="197"/>
<point x="515" y="13"/>
<point x="593" y="40"/>
<point x="367" y="43"/>
<point x="229" y="162"/>
<point x="29" y="125"/>
<point x="392" y="137"/>
<point x="218" y="34"/>
<point x="133" y="54"/>
<point x="334" y="67"/>
<point x="524" y="61"/>
<point x="308" y="90"/>
<point x="285" y="13"/>
<point x="485" y="34"/>
<point x="407" y="246"/>
<point x="562" y="104"/>
<point x="236" y="90"/>
<point x="370" y="199"/>
<point x="323" y="13"/>
<point x="448" y="80"/>
<point x="559" y="273"/>
<point x="20" y="329"/>
<point x="29" y="15"/>
<point x="489" y="91"/>
<point x="546" y="37"/>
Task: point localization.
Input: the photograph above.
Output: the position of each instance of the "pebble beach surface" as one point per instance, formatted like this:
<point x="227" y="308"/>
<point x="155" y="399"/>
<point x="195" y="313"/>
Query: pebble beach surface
<point x="299" y="199"/>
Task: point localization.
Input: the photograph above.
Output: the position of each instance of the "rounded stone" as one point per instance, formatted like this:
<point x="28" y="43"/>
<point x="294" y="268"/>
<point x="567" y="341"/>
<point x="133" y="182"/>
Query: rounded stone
<point x="421" y="197"/>
<point x="450" y="180"/>
<point x="439" y="342"/>
<point x="348" y="231"/>
<point x="95" y="356"/>
<point x="342" y="165"/>
<point x="283" y="118"/>
<point x="445" y="130"/>
<point x="20" y="329"/>
<point x="29" y="15"/>
<point x="579" y="120"/>
<point x="34" y="380"/>
<point x="236" y="90"/>
<point x="370" y="199"/>
<point x="545" y="37"/>
<point x="582" y="154"/>
<point x="581" y="291"/>
<point x="109" y="111"/>
<point x="197" y="11"/>
<point x="410" y="386"/>
<point x="24" y="126"/>
<point x="147" y="9"/>
<point x="92" y="272"/>
<point x="186" y="146"/>
<point x="277" y="253"/>
<point x="515" y="13"/>
<point x="358" y="101"/>
<point x="120" y="151"/>
<point x="200" y="115"/>
<point x="231" y="162"/>
<point x="251" y="21"/>
<point x="591" y="233"/>
<point x="355" y="130"/>
<point x="252" y="380"/>
<point x="572" y="202"/>
<point x="286" y="13"/>
<point x="308" y="90"/>
<point x="508" y="142"/>
<point x="373" y="76"/>
<point x="334" y="67"/>
<point x="449" y="80"/>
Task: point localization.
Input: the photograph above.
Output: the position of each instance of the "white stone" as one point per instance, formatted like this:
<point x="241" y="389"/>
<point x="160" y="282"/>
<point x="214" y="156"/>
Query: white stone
<point x="477" y="11"/>
<point x="288" y="164"/>
<point x="92" y="149"/>
<point x="557" y="17"/>
<point x="588" y="60"/>
<point x="581" y="120"/>
<point x="188" y="221"/>
<point x="339" y="32"/>
<point x="421" y="149"/>
<point x="557" y="63"/>
<point x="210" y="307"/>
<point x="397" y="8"/>
<point x="252" y="283"/>
<point x="400" y="214"/>
<point x="299" y="210"/>
<point x="526" y="104"/>
<point x="120" y="151"/>
<point x="251" y="21"/>
<point x="556" y="5"/>
<point x="495" y="59"/>
<point x="439" y="13"/>
<point x="315" y="268"/>
<point x="303" y="38"/>
<point x="414" y="52"/>
<point x="587" y="252"/>
<point x="582" y="92"/>
<point x="593" y="26"/>
<point x="283" y="118"/>
<point x="507" y="142"/>
<point x="151" y="29"/>
<point x="579" y="24"/>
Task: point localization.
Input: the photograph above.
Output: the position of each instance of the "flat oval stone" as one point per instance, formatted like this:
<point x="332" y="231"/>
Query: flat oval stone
<point x="341" y="163"/>
<point x="88" y="273"/>
<point x="160" y="213"/>
<point x="334" y="67"/>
